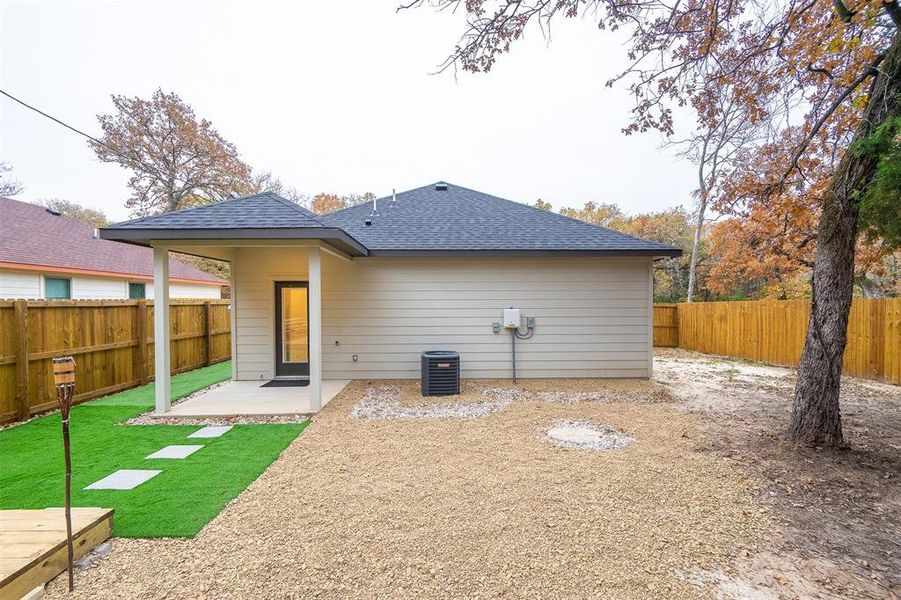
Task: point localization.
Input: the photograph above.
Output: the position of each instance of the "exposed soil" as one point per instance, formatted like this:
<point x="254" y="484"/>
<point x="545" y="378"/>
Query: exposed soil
<point x="839" y="512"/>
<point x="583" y="435"/>
<point x="479" y="507"/>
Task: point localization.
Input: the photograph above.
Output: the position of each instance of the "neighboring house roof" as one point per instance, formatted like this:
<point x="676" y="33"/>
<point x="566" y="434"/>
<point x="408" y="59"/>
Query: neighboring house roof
<point x="437" y="219"/>
<point x="443" y="217"/>
<point x="32" y="237"/>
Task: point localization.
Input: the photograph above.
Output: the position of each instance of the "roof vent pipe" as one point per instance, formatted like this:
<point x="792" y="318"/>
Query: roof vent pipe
<point x="375" y="208"/>
<point x="393" y="199"/>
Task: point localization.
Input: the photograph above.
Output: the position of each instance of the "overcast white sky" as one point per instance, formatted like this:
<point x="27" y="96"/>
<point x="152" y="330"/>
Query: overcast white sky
<point x="330" y="96"/>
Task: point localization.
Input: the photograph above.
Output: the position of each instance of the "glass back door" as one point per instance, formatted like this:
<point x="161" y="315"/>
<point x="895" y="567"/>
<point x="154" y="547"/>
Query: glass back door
<point x="292" y="342"/>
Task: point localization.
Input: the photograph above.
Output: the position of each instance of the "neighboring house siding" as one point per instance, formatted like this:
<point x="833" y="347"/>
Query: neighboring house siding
<point x="18" y="284"/>
<point x="96" y="288"/>
<point x="188" y="290"/>
<point x="29" y="285"/>
<point x="593" y="315"/>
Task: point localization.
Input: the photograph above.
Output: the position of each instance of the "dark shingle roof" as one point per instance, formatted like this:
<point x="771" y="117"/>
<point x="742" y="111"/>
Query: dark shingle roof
<point x="260" y="216"/>
<point x="427" y="220"/>
<point x="257" y="211"/>
<point x="461" y="219"/>
<point x="29" y="235"/>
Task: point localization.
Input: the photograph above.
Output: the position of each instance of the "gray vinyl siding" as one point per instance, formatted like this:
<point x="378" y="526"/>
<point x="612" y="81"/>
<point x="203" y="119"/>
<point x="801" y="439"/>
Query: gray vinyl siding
<point x="593" y="315"/>
<point x="256" y="270"/>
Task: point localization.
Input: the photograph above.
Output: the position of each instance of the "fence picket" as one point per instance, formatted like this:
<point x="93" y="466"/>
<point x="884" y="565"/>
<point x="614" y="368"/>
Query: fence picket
<point x="110" y="339"/>
<point x="773" y="331"/>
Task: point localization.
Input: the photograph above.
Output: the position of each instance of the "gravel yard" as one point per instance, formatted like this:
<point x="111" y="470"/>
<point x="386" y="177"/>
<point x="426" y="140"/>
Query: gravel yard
<point x="412" y="506"/>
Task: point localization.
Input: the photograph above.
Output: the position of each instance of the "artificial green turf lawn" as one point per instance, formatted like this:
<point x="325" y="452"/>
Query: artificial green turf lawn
<point x="176" y="503"/>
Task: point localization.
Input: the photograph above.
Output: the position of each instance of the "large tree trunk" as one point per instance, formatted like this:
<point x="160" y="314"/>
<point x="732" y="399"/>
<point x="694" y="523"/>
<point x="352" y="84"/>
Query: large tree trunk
<point x="816" y="419"/>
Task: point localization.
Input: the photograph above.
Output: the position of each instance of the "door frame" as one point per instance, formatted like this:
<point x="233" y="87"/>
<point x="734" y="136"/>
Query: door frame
<point x="283" y="369"/>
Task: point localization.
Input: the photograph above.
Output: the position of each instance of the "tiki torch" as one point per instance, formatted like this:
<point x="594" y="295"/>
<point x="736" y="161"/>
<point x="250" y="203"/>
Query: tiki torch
<point x="64" y="378"/>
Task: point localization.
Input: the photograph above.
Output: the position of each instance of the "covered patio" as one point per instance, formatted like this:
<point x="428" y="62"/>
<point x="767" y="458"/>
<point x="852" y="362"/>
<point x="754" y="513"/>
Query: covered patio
<point x="250" y="398"/>
<point x="276" y="252"/>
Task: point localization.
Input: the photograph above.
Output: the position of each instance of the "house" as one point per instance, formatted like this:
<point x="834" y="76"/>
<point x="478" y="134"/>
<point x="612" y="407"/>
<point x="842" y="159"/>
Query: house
<point x="359" y="293"/>
<point x="44" y="254"/>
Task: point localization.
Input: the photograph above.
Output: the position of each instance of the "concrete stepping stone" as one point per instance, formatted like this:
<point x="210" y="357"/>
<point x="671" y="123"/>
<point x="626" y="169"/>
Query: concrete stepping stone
<point x="211" y="431"/>
<point x="177" y="451"/>
<point x="124" y="479"/>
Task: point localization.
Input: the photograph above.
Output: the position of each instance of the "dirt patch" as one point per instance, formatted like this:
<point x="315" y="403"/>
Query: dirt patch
<point x="582" y="435"/>
<point x="463" y="508"/>
<point x="839" y="511"/>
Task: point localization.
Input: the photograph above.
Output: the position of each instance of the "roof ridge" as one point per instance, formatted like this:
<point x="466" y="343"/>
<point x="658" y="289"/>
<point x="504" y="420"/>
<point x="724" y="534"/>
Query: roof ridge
<point x="181" y="210"/>
<point x="386" y="197"/>
<point x="562" y="216"/>
<point x="616" y="231"/>
<point x="311" y="216"/>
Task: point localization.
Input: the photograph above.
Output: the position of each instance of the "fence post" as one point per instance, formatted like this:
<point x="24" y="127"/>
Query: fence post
<point x="21" y="314"/>
<point x="141" y="327"/>
<point x="676" y="310"/>
<point x="677" y="324"/>
<point x="209" y="332"/>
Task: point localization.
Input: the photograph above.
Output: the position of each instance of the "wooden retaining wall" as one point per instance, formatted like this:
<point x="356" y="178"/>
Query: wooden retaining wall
<point x="111" y="340"/>
<point x="773" y="331"/>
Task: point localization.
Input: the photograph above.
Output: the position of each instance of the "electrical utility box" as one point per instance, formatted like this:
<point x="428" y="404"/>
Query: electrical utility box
<point x="512" y="318"/>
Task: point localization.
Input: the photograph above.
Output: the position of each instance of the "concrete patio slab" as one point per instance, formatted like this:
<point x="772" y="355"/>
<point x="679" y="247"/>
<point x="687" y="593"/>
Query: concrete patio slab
<point x="211" y="431"/>
<point x="124" y="479"/>
<point x="246" y="398"/>
<point x="176" y="452"/>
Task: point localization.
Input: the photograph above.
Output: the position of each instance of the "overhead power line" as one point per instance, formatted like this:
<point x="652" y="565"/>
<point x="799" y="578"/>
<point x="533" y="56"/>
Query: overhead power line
<point x="55" y="120"/>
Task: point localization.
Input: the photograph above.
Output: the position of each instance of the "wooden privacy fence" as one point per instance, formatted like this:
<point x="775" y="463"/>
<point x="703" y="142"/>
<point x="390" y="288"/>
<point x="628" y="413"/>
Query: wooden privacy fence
<point x="666" y="326"/>
<point x="773" y="331"/>
<point x="111" y="340"/>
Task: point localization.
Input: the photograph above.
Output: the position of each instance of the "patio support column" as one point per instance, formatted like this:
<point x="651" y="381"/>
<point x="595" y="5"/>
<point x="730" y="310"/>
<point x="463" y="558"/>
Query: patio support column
<point x="161" y="367"/>
<point x="314" y="276"/>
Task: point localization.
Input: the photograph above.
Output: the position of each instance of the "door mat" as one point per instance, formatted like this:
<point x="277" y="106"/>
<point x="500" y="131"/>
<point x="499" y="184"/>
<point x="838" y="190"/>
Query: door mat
<point x="287" y="383"/>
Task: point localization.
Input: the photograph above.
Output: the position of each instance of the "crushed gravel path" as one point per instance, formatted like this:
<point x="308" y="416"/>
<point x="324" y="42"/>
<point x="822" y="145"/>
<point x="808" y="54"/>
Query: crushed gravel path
<point x="402" y="399"/>
<point x="479" y="507"/>
<point x="383" y="402"/>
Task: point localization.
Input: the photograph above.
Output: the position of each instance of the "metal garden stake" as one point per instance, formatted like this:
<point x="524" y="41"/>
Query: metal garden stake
<point x="64" y="378"/>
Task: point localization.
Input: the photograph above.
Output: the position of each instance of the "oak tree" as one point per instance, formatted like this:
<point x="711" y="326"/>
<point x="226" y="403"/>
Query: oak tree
<point x="176" y="160"/>
<point x="836" y="64"/>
